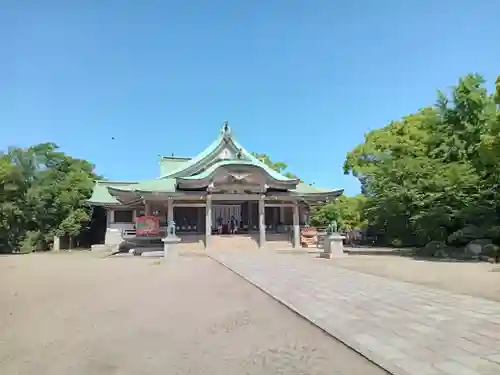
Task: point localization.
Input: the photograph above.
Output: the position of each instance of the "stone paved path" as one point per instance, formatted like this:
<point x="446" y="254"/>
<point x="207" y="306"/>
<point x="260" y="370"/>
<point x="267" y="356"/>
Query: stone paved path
<point x="406" y="328"/>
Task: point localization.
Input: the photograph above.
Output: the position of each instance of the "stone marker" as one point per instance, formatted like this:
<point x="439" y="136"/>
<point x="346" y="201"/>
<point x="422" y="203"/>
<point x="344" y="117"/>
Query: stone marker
<point x="169" y="242"/>
<point x="333" y="246"/>
<point x="57" y="244"/>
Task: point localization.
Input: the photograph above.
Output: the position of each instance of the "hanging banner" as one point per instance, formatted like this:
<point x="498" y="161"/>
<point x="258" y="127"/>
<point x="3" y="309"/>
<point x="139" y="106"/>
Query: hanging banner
<point x="147" y="226"/>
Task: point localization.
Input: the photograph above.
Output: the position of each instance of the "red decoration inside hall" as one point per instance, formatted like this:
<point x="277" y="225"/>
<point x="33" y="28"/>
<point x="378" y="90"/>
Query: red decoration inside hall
<point x="147" y="226"/>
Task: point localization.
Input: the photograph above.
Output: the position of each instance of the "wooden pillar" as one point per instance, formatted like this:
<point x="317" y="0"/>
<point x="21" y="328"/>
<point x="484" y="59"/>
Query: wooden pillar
<point x="296" y="226"/>
<point x="262" y="222"/>
<point x="147" y="208"/>
<point x="208" y="222"/>
<point x="110" y="217"/>
<point x="249" y="213"/>
<point x="282" y="215"/>
<point x="199" y="219"/>
<point x="170" y="210"/>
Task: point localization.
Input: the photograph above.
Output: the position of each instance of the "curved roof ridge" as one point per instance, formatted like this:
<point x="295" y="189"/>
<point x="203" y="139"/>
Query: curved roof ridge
<point x="221" y="163"/>
<point x="173" y="157"/>
<point x="198" y="158"/>
<point x="267" y="168"/>
<point x="226" y="135"/>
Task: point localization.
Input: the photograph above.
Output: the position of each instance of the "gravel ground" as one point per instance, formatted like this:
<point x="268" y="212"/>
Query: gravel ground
<point x="77" y="314"/>
<point x="476" y="279"/>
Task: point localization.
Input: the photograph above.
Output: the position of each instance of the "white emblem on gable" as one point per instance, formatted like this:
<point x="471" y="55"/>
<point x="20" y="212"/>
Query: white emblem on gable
<point x="240" y="176"/>
<point x="225" y="154"/>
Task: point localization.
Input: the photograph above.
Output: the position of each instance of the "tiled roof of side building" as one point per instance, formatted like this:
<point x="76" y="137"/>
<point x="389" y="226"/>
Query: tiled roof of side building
<point x="101" y="195"/>
<point x="308" y="189"/>
<point x="164" y="185"/>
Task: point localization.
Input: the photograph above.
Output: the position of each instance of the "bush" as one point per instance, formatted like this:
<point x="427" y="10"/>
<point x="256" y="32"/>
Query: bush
<point x="491" y="250"/>
<point x="494" y="234"/>
<point x="32" y="241"/>
<point x="433" y="248"/>
<point x="397" y="242"/>
<point x="465" y="235"/>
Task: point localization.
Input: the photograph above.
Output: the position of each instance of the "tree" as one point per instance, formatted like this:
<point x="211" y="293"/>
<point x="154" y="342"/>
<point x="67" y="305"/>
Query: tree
<point x="346" y="211"/>
<point x="351" y="210"/>
<point x="43" y="193"/>
<point x="433" y="172"/>
<point x="323" y="215"/>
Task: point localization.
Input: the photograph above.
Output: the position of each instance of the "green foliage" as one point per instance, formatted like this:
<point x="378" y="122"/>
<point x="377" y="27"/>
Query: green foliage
<point x="323" y="215"/>
<point x="346" y="211"/>
<point x="396" y="242"/>
<point x="431" y="174"/>
<point x="494" y="234"/>
<point x="491" y="250"/>
<point x="351" y="211"/>
<point x="43" y="193"/>
<point x="465" y="235"/>
<point x="31" y="241"/>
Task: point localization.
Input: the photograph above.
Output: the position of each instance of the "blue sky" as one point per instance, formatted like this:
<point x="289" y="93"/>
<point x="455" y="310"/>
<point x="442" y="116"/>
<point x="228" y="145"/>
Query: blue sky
<point x="299" y="80"/>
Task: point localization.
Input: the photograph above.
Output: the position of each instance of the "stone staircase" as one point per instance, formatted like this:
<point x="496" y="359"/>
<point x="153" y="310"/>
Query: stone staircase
<point x="105" y="249"/>
<point x="191" y="242"/>
<point x="196" y="243"/>
<point x="274" y="241"/>
<point x="278" y="241"/>
<point x="235" y="242"/>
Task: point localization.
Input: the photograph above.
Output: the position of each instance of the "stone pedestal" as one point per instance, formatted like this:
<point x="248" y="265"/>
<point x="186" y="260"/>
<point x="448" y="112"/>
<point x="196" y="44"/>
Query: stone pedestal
<point x="57" y="244"/>
<point x="170" y="250"/>
<point x="333" y="246"/>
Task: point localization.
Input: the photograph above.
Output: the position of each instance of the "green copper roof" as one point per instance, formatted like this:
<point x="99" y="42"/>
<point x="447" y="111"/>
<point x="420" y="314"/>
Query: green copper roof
<point x="164" y="185"/>
<point x="308" y="189"/>
<point x="210" y="149"/>
<point x="208" y="172"/>
<point x="272" y="172"/>
<point x="101" y="195"/>
<point x="225" y="138"/>
<point x="201" y="167"/>
<point x="168" y="164"/>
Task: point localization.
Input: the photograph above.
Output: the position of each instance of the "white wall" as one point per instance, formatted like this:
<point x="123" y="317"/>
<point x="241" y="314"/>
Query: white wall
<point x="114" y="230"/>
<point x="121" y="226"/>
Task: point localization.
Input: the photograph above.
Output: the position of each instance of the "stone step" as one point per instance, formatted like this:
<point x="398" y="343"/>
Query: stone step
<point x="233" y="242"/>
<point x="104" y="248"/>
<point x="279" y="245"/>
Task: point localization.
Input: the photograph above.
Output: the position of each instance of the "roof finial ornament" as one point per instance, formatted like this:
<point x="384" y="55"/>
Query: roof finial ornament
<point x="226" y="126"/>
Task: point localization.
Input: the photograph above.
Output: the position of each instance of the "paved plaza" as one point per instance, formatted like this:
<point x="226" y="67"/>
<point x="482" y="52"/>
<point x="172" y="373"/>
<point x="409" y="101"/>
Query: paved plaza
<point x="407" y="329"/>
<point x="81" y="315"/>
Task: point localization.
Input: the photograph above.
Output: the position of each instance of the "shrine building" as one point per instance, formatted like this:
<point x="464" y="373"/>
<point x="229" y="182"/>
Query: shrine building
<point x="224" y="191"/>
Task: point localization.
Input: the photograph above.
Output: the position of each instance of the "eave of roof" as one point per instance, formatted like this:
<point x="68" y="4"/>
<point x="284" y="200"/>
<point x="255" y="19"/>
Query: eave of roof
<point x="311" y="191"/>
<point x="165" y="185"/>
<point x="211" y="170"/>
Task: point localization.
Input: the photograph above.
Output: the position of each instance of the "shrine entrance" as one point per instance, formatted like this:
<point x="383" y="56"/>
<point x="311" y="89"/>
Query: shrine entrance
<point x="222" y="215"/>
